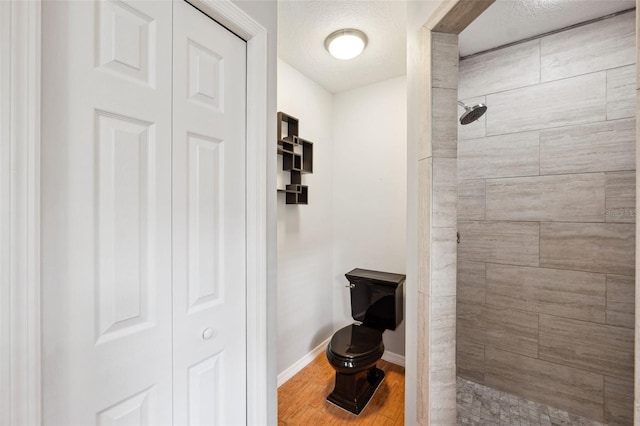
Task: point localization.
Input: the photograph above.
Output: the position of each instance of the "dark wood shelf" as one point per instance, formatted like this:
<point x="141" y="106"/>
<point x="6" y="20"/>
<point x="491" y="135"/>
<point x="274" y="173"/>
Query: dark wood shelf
<point x="297" y="158"/>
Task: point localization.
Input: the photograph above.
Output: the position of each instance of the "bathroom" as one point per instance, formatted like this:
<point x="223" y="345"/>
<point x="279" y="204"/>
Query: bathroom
<point x="521" y="180"/>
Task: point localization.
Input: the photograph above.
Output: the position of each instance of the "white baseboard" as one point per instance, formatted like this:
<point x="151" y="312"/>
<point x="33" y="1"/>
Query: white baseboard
<point x="393" y="358"/>
<point x="303" y="362"/>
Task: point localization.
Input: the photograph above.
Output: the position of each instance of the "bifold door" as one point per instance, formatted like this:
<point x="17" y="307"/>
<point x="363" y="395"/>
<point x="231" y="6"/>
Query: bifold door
<point x="143" y="215"/>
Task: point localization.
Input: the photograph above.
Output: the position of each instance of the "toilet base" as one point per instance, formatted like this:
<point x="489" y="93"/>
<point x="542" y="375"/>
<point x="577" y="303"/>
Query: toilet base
<point x="352" y="392"/>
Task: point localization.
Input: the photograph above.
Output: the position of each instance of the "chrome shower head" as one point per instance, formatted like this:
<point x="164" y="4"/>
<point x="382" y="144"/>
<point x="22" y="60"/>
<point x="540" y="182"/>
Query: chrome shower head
<point x="471" y="114"/>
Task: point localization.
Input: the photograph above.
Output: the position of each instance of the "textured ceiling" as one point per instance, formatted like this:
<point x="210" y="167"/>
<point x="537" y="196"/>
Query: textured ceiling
<point x="304" y="24"/>
<point x="507" y="21"/>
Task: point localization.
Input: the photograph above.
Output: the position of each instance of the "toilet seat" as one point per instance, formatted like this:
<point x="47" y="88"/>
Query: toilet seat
<point x="355" y="347"/>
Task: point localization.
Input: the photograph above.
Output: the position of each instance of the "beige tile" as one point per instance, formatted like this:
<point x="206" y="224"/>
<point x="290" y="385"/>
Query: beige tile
<point x="574" y="390"/>
<point x="571" y="294"/>
<point x="560" y="198"/>
<point x="572" y="52"/>
<point x="471" y="281"/>
<point x="477" y="129"/>
<point x="501" y="70"/>
<point x="620" y="300"/>
<point x="443" y="262"/>
<point x="589" y="346"/>
<point x="595" y="247"/>
<point x="513" y="243"/>
<point x="621" y="197"/>
<point x="442" y="405"/>
<point x="566" y="102"/>
<point x="621" y="92"/>
<point x="499" y="156"/>
<point x="424" y="225"/>
<point x="508" y="329"/>
<point x="442" y="346"/>
<point x="445" y="195"/>
<point x="444" y="60"/>
<point x="444" y="132"/>
<point x="470" y="360"/>
<point x="588" y="148"/>
<point x="471" y="198"/>
<point x="618" y="401"/>
<point x="443" y="312"/>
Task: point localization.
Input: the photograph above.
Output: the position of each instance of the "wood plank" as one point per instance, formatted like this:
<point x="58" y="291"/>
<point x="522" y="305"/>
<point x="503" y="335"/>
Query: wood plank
<point x="570" y="294"/>
<point x="572" y="101"/>
<point x="574" y="390"/>
<point x="589" y="346"/>
<point x="499" y="156"/>
<point x="455" y="16"/>
<point x="572" y="52"/>
<point x="593" y="247"/>
<point x="598" y="147"/>
<point x="513" y="243"/>
<point x="547" y="198"/>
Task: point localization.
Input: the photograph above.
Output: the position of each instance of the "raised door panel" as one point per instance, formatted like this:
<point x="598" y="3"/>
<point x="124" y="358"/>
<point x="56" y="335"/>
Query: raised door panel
<point x="106" y="213"/>
<point x="208" y="221"/>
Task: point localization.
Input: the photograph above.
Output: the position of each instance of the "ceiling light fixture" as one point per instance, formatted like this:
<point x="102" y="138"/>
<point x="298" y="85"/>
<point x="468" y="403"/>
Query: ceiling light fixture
<point x="346" y="43"/>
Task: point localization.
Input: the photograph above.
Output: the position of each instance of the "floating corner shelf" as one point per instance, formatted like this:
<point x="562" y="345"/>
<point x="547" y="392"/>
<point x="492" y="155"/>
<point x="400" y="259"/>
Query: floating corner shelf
<point x="297" y="158"/>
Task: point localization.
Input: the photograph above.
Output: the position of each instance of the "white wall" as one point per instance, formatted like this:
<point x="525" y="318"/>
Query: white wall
<point x="369" y="190"/>
<point x="305" y="299"/>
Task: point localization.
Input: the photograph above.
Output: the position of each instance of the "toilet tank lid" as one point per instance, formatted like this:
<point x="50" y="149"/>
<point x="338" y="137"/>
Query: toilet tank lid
<point x="376" y="277"/>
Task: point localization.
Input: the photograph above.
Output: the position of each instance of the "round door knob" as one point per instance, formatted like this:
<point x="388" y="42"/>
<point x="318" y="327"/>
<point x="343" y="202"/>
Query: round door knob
<point x="207" y="333"/>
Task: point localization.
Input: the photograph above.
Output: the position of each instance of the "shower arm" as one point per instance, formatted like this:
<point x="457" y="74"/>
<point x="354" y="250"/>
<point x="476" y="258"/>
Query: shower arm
<point x="463" y="105"/>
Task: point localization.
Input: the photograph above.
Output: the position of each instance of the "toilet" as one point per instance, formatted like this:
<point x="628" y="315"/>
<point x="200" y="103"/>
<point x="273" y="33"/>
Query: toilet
<point x="354" y="350"/>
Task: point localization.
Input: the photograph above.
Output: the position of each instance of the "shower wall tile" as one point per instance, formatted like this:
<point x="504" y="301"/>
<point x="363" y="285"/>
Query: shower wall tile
<point x="567" y="102"/>
<point x="499" y="156"/>
<point x="470" y="360"/>
<point x="505" y="69"/>
<point x="444" y="110"/>
<point x="445" y="194"/>
<point x="571" y="294"/>
<point x="444" y="66"/>
<point x="618" y="401"/>
<point x="443" y="262"/>
<point x="572" y="52"/>
<point x="594" y="347"/>
<point x="471" y="284"/>
<point x="621" y="197"/>
<point x="571" y="389"/>
<point x="621" y="92"/>
<point x="442" y="382"/>
<point x="620" y="301"/>
<point x="509" y="329"/>
<point x="595" y="247"/>
<point x="597" y="147"/>
<point x="424" y="225"/>
<point x="513" y="243"/>
<point x="565" y="198"/>
<point x="471" y="198"/>
<point x="477" y="129"/>
<point x="443" y="312"/>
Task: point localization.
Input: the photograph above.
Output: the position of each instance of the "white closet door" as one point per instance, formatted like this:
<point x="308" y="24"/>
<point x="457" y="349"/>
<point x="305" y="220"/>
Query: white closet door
<point x="209" y="84"/>
<point x="106" y="212"/>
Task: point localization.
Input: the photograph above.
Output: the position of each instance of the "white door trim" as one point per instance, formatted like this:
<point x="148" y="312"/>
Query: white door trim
<point x="20" y="79"/>
<point x="20" y="213"/>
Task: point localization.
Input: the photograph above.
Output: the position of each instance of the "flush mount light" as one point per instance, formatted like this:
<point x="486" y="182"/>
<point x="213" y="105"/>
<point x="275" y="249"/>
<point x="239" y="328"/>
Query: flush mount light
<point x="346" y="44"/>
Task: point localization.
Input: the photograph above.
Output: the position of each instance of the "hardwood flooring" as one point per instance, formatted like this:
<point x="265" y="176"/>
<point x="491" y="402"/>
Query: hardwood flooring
<point x="302" y="399"/>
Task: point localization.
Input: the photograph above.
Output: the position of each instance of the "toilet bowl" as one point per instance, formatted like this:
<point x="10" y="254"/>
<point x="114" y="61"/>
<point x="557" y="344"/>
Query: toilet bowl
<point x="354" y="350"/>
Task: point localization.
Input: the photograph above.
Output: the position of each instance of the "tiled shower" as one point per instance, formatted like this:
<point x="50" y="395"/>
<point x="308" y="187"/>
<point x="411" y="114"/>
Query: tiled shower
<point x="546" y="214"/>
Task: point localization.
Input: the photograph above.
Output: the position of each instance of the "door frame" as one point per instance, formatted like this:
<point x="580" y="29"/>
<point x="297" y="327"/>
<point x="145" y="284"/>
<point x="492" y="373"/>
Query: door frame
<point x="20" y="111"/>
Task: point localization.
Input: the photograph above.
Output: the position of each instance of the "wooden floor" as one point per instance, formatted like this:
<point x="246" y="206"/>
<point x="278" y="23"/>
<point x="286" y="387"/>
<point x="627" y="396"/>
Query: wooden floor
<point x="302" y="400"/>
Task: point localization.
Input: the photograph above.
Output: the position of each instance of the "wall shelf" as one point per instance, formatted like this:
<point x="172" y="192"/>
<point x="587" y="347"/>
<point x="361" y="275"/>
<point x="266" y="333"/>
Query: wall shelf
<point x="297" y="158"/>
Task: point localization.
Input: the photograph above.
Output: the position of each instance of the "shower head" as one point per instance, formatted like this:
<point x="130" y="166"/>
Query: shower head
<point x="471" y="114"/>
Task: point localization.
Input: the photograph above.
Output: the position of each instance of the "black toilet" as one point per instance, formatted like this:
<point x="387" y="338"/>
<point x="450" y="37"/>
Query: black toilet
<point x="376" y="305"/>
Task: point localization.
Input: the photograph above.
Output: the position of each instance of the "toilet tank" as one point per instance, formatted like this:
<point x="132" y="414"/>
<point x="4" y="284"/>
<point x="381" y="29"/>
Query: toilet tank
<point x="376" y="298"/>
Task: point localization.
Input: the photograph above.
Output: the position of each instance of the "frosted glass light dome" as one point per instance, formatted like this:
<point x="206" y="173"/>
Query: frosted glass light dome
<point x="346" y="44"/>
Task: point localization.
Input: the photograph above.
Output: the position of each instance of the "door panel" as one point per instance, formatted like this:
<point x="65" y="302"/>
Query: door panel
<point x="209" y="221"/>
<point x="106" y="213"/>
